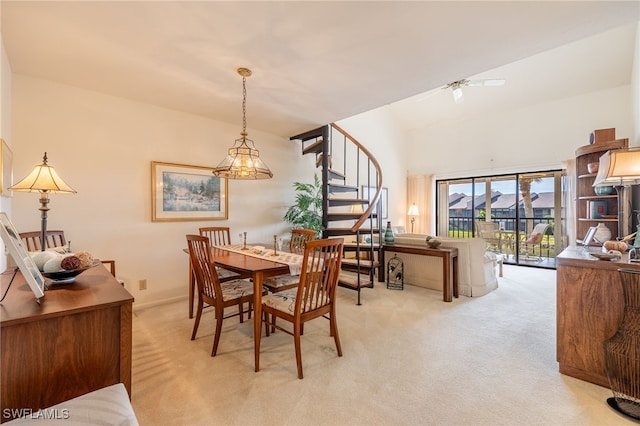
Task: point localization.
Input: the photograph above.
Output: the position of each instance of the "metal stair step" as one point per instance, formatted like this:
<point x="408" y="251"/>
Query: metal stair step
<point x="347" y="231"/>
<point x="335" y="188"/>
<point x="346" y="216"/>
<point x="351" y="281"/>
<point x="311" y="134"/>
<point x="334" y="174"/>
<point x="364" y="264"/>
<point x="334" y="202"/>
<point x="314" y="148"/>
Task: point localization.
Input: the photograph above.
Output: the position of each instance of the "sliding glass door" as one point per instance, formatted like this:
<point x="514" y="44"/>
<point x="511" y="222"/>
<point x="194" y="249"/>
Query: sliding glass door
<point x="520" y="215"/>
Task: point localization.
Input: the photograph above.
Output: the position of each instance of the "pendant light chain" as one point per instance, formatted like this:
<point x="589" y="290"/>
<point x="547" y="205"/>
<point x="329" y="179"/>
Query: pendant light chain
<point x="244" y="105"/>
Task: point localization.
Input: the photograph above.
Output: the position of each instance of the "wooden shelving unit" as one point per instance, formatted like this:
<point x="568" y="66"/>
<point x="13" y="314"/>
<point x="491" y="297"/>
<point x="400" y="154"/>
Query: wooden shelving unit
<point x="603" y="141"/>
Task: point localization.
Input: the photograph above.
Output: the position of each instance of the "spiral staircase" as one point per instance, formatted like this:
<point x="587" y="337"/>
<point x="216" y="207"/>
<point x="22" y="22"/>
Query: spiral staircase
<point x="352" y="183"/>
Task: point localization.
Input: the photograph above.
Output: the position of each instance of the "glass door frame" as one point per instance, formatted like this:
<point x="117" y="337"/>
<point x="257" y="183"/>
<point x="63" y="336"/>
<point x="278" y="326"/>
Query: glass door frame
<point x="518" y="225"/>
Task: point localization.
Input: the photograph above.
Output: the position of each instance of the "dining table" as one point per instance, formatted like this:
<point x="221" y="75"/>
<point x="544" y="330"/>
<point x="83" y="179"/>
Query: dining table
<point x="260" y="263"/>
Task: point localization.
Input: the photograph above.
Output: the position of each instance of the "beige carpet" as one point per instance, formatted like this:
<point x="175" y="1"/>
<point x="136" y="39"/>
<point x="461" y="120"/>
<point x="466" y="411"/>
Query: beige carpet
<point x="409" y="358"/>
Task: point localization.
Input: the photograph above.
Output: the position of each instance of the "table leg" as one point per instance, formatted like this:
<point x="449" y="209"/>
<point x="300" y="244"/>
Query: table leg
<point x="192" y="285"/>
<point x="446" y="278"/>
<point x="454" y="261"/>
<point x="257" y="316"/>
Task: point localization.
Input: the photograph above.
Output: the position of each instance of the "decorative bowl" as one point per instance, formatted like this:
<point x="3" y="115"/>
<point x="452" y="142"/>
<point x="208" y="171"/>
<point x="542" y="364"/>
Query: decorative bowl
<point x="64" y="276"/>
<point x="606" y="256"/>
<point x="593" y="167"/>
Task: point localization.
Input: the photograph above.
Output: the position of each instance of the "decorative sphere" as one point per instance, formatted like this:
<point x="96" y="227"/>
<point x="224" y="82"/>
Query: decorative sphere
<point x="434" y="243"/>
<point x="53" y="265"/>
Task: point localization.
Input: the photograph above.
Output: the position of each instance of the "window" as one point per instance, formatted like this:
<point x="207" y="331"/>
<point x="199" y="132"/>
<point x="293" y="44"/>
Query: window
<point x="516" y="203"/>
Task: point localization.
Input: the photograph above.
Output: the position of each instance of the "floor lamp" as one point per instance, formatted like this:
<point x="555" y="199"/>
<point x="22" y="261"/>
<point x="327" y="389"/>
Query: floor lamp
<point x="43" y="179"/>
<point x="413" y="212"/>
<point x="621" y="168"/>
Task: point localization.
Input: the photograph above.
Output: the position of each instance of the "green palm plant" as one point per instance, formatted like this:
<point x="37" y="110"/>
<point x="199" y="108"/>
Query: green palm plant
<point x="307" y="211"/>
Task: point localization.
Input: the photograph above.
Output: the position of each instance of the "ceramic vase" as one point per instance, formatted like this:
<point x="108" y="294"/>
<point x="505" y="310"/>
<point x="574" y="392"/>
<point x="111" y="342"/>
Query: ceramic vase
<point x="388" y="234"/>
<point x="602" y="233"/>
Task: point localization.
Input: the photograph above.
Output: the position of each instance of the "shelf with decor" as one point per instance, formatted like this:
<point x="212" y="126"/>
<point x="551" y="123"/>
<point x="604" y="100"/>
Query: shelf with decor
<point x="593" y="205"/>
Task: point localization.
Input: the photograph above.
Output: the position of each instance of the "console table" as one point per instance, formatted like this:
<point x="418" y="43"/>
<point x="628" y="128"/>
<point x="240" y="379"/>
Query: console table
<point x="76" y="341"/>
<point x="449" y="265"/>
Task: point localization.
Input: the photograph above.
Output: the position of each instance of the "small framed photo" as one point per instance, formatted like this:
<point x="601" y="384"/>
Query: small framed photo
<point x="369" y="191"/>
<point x="181" y="192"/>
<point x="588" y="238"/>
<point x="25" y="263"/>
<point x="6" y="170"/>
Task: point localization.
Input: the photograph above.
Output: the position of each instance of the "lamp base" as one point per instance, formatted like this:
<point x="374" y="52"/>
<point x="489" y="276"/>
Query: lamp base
<point x="629" y="409"/>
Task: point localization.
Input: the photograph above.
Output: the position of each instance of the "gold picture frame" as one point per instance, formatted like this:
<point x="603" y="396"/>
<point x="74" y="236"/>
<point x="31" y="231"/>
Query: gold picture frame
<point x="6" y="170"/>
<point x="182" y="192"/>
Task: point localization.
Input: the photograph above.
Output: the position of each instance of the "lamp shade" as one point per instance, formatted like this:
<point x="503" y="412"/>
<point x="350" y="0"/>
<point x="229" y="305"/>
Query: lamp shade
<point x="619" y="167"/>
<point x="43" y="178"/>
<point x="243" y="162"/>
<point x="413" y="210"/>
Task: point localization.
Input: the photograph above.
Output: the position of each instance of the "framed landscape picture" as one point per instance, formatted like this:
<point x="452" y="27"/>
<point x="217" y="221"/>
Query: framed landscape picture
<point x="6" y="169"/>
<point x="13" y="243"/>
<point x="181" y="192"/>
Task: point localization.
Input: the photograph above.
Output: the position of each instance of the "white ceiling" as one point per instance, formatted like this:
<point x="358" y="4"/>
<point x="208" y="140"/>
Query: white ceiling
<point x="318" y="62"/>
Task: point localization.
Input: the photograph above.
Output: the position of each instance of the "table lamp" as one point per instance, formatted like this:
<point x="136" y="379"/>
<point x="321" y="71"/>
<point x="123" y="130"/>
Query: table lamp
<point x="619" y="168"/>
<point x="413" y="212"/>
<point x="43" y="179"/>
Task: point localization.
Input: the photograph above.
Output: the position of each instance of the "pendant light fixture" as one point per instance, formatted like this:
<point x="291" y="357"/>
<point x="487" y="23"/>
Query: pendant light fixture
<point x="243" y="159"/>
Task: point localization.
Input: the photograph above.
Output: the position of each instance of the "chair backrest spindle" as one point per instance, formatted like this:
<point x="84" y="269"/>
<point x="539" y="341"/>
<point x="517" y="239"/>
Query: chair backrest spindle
<point x="299" y="238"/>
<point x="32" y="240"/>
<point x="218" y="235"/>
<point x="319" y="275"/>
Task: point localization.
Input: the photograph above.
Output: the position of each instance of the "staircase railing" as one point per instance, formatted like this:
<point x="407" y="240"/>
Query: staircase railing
<point x="351" y="190"/>
<point x="378" y="173"/>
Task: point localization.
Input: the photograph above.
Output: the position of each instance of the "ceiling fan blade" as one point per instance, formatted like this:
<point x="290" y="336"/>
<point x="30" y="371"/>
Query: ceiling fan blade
<point x="458" y="96"/>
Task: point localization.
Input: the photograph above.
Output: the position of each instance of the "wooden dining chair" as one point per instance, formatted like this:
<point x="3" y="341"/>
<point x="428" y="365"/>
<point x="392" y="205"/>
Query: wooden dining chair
<point x="314" y="297"/>
<point x="218" y="236"/>
<point x="299" y="238"/>
<point x="211" y="291"/>
<point x="32" y="240"/>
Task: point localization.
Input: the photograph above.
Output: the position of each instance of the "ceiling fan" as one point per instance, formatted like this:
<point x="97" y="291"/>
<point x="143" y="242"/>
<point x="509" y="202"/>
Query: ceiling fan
<point x="457" y="86"/>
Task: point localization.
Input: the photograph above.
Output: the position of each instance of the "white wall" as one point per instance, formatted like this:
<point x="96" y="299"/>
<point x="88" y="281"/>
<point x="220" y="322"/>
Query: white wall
<point x="5" y="127"/>
<point x="635" y="84"/>
<point x="380" y="133"/>
<point x="102" y="146"/>
<point x="533" y="138"/>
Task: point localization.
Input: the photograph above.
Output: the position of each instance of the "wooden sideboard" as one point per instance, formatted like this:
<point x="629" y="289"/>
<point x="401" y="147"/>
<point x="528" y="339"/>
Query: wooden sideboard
<point x="589" y="308"/>
<point x="76" y="341"/>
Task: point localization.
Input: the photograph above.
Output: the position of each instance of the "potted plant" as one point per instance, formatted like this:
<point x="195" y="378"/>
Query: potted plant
<point x="307" y="211"/>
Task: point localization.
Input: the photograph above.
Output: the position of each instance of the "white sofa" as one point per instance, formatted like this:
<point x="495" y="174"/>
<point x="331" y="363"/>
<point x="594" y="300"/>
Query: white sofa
<point x="476" y="267"/>
<point x="107" y="406"/>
